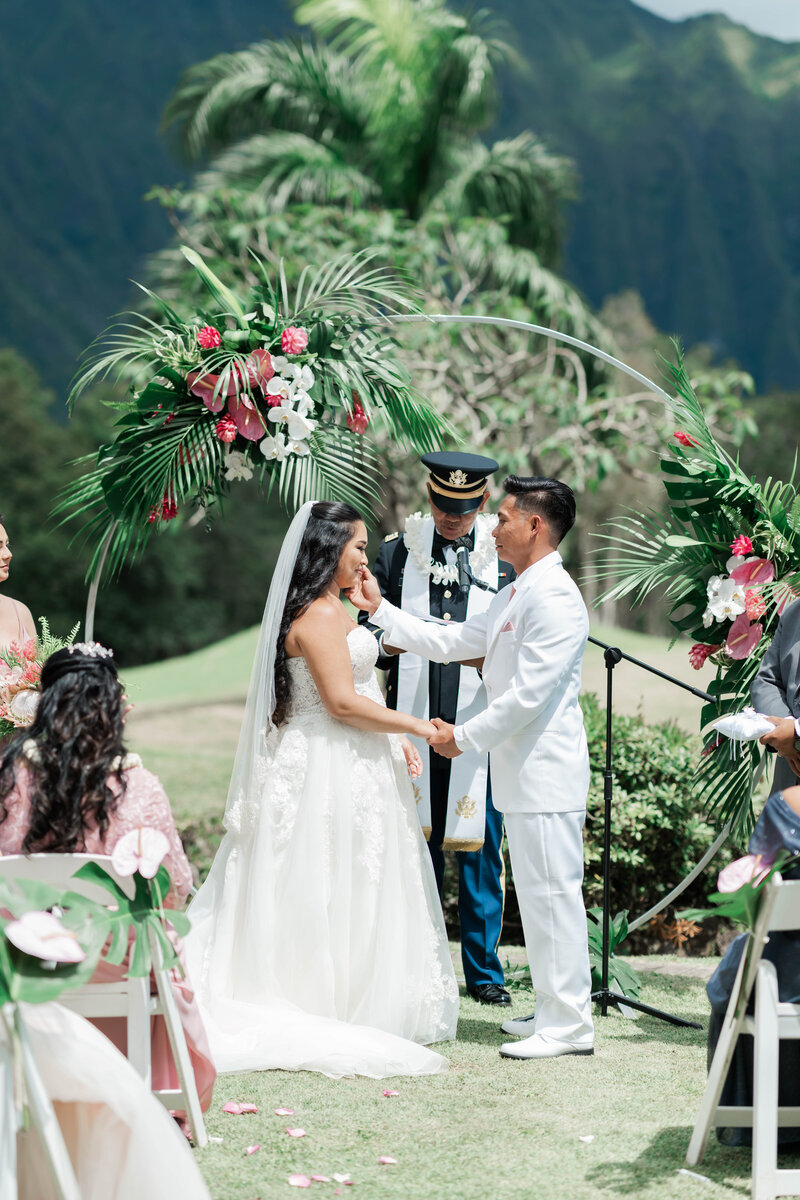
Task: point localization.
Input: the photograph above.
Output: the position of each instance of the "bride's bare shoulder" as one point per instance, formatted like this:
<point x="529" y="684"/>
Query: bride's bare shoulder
<point x="321" y="620"/>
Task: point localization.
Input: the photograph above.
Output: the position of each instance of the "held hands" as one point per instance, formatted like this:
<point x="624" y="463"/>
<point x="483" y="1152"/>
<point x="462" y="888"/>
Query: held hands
<point x="365" y="594"/>
<point x="782" y="741"/>
<point x="443" y="741"/>
<point x="412" y="757"/>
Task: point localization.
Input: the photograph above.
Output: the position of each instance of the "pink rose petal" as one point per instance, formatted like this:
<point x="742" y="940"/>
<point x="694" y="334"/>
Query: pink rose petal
<point x="299" y="1181"/>
<point x="251" y="1149"/>
<point x="386" y="1160"/>
<point x="389" y="1092"/>
<point x="232" y="1107"/>
<point x="320" y="1178"/>
<point x="342" y="1178"/>
<point x="295" y="1132"/>
<point x="284" y="1112"/>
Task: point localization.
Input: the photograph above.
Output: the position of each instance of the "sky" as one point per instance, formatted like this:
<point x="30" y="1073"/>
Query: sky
<point x="776" y="18"/>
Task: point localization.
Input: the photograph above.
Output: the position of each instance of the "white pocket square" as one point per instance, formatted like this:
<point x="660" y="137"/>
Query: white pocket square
<point x="744" y="726"/>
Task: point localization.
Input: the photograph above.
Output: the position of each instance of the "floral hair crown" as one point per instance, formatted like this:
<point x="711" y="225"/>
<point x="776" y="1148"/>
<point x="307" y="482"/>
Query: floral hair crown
<point x="90" y="649"/>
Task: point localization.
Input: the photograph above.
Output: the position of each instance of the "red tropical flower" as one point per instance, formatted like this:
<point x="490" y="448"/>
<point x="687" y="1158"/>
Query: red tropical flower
<point x="226" y="429"/>
<point x="684" y="438"/>
<point x="741" y="546"/>
<point x="357" y="420"/>
<point x="208" y="337"/>
<point x="754" y="605"/>
<point x="294" y="340"/>
<point x="699" y="653"/>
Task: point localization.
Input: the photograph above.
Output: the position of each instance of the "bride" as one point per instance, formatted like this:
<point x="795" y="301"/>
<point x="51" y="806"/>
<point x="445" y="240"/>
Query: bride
<point x="317" y="940"/>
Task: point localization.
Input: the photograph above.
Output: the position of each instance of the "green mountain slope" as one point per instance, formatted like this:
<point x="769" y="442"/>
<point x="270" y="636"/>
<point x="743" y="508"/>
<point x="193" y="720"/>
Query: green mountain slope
<point x="684" y="135"/>
<point x="685" y="138"/>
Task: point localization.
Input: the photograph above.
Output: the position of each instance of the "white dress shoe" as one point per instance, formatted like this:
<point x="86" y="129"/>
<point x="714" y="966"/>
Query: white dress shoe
<point x="538" y="1046"/>
<point x="521" y="1027"/>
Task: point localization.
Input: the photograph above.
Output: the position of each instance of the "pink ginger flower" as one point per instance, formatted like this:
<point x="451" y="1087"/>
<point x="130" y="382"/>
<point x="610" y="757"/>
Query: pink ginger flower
<point x="294" y="340"/>
<point x="699" y="653"/>
<point x="208" y="337"/>
<point x="741" y="546"/>
<point x="684" y="438"/>
<point x="226" y="429"/>
<point x="755" y="605"/>
<point x="357" y="420"/>
<point x="29" y="650"/>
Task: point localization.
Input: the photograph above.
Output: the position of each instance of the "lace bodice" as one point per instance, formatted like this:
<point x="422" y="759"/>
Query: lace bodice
<point x="305" y="699"/>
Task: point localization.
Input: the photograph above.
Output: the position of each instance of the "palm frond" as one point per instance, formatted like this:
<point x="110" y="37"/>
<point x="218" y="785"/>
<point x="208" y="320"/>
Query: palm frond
<point x="289" y="86"/>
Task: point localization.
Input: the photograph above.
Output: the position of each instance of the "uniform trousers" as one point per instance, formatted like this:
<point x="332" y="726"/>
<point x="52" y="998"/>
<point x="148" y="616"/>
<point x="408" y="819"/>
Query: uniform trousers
<point x="481" y="883"/>
<point x="546" y="851"/>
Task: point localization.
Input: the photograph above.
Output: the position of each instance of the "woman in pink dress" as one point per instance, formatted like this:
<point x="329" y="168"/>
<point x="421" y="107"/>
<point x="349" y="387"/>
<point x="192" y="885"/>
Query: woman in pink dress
<point x="16" y="622"/>
<point x="67" y="786"/>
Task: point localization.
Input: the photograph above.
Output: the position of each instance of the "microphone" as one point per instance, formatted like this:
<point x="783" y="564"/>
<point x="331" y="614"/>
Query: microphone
<point x="465" y="576"/>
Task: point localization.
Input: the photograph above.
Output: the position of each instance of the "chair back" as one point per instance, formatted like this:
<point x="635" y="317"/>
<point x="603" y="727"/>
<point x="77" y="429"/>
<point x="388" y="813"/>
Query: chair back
<point x="59" y="869"/>
<point x="786" y="908"/>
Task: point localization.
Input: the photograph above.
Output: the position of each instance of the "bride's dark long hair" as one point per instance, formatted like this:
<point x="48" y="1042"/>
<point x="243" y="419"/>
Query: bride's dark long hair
<point x="329" y="529"/>
<point x="76" y="736"/>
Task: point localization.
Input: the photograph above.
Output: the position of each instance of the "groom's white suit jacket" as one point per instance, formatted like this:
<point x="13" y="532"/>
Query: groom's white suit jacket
<point x="533" y="643"/>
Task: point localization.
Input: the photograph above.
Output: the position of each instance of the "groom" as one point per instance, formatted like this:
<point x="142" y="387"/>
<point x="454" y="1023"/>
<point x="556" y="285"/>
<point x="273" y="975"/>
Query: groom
<point x="532" y="636"/>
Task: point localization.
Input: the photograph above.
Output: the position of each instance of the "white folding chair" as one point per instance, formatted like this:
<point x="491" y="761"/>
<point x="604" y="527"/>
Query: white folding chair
<point x="43" y="1118"/>
<point x="771" y="1021"/>
<point x="128" y="998"/>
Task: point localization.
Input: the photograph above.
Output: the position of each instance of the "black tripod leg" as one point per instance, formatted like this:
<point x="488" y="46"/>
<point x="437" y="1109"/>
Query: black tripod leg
<point x="613" y="998"/>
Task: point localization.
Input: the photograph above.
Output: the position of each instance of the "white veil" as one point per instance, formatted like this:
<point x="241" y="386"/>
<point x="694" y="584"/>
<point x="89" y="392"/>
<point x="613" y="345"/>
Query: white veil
<point x="257" y="722"/>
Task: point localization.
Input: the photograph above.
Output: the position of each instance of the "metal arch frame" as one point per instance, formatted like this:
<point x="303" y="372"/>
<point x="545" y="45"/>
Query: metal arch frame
<point x="554" y="335"/>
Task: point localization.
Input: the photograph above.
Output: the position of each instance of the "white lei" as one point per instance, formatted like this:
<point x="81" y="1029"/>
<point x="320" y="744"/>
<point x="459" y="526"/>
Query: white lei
<point x="479" y="557"/>
<point x="125" y="762"/>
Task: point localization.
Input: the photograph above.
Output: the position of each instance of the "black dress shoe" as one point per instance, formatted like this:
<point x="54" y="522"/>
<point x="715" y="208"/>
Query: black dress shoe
<point x="489" y="993"/>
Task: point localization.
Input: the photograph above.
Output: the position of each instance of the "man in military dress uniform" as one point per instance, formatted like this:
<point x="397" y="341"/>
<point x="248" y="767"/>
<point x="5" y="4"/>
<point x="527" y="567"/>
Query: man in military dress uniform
<point x="419" y="571"/>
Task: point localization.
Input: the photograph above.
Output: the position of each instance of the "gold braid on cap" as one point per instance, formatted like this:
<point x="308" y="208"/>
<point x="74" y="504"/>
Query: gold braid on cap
<point x="446" y="488"/>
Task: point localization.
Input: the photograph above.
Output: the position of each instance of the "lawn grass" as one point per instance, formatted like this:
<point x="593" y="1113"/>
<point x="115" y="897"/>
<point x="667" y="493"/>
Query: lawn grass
<point x="491" y="1127"/>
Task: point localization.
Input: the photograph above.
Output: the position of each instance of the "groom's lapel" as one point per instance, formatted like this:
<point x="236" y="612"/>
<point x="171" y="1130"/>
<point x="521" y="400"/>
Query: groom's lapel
<point x="508" y="614"/>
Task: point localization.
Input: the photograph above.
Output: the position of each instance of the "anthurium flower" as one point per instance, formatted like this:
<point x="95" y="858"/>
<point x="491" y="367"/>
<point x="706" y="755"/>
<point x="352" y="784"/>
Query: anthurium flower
<point x="246" y="417"/>
<point x="142" y="850"/>
<point x="754" y="570"/>
<point x="742" y="637"/>
<point x="750" y="869"/>
<point x="208" y="388"/>
<point x="42" y="935"/>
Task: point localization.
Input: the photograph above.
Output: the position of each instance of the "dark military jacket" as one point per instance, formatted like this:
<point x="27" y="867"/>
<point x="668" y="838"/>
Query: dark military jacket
<point x="444" y="598"/>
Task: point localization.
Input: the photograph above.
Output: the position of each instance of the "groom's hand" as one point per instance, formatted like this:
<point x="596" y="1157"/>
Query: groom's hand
<point x="443" y="741"/>
<point x="365" y="594"/>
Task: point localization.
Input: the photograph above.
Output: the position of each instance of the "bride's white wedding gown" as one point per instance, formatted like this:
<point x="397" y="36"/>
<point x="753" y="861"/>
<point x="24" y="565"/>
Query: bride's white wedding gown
<point x="317" y="940"/>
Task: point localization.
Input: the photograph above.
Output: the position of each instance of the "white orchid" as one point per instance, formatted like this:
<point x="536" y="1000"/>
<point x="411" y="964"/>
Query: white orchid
<point x="708" y="618"/>
<point x="295" y="419"/>
<point x="142" y="850"/>
<point x="714" y="584"/>
<point x="278" y="386"/>
<point x="42" y="935"/>
<point x="300" y="448"/>
<point x="236" y="467"/>
<point x="728" y="602"/>
<point x="274" y="448"/>
<point x="23" y="706"/>
<point x="302" y="377"/>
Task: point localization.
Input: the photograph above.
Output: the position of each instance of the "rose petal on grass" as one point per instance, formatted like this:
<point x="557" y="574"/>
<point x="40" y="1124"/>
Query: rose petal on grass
<point x="237" y="1109"/>
<point x="587" y="1137"/>
<point x="251" y="1149"/>
<point x="389" y="1092"/>
<point x="295" y="1132"/>
<point x="342" y="1178"/>
<point x="386" y="1160"/>
<point x="249" y="1108"/>
<point x="299" y="1181"/>
<point x="320" y="1178"/>
<point x="284" y="1112"/>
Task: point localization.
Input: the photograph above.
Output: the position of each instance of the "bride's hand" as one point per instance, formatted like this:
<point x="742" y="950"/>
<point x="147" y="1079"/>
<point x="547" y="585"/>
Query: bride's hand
<point x="365" y="594"/>
<point x="412" y="757"/>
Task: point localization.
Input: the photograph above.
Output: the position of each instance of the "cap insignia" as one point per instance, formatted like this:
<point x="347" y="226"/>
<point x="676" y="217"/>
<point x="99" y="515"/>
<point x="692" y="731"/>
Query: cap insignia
<point x="458" y="479"/>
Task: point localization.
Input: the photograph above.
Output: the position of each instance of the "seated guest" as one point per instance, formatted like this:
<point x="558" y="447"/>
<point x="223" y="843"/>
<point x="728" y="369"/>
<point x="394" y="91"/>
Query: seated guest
<point x="16" y="622"/>
<point x="67" y="786"/>
<point x="777" y="829"/>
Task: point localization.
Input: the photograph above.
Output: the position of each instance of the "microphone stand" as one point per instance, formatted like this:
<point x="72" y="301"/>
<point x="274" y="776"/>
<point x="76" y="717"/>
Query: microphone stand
<point x="605" y="997"/>
<point x="465" y="576"/>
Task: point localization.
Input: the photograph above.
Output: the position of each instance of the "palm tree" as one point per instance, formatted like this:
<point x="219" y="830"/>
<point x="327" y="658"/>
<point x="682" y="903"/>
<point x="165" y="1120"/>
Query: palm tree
<point x="381" y="110"/>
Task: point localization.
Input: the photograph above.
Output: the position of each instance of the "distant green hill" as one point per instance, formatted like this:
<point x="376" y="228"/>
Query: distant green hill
<point x="684" y="135"/>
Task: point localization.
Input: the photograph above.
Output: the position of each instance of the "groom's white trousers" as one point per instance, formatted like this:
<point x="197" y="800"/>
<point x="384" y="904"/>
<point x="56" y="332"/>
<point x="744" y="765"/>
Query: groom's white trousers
<point x="546" y="852"/>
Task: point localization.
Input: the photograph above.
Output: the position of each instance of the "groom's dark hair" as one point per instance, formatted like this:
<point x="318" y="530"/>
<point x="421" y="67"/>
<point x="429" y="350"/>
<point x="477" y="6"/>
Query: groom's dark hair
<point x="548" y="498"/>
<point x="329" y="529"/>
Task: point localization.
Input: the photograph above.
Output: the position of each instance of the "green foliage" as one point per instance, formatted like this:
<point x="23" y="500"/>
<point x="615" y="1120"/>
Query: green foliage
<point x="621" y="975"/>
<point x="711" y="502"/>
<point x="658" y="829"/>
